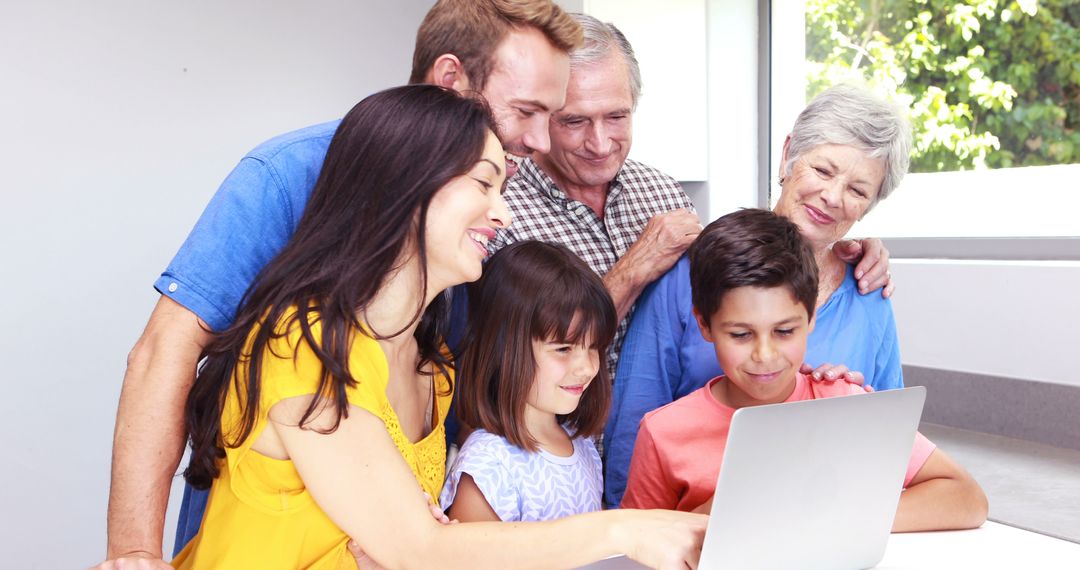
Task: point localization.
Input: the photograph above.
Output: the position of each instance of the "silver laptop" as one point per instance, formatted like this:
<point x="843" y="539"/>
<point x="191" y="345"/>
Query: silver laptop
<point x="810" y="484"/>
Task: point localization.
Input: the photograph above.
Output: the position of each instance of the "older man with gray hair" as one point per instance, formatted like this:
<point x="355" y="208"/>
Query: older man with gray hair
<point x="628" y="221"/>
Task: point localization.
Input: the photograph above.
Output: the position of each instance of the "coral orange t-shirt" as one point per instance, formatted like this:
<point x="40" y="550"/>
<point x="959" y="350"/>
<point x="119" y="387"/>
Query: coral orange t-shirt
<point x="675" y="465"/>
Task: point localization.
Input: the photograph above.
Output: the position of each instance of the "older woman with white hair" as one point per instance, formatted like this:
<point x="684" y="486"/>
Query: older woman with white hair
<point x="847" y="151"/>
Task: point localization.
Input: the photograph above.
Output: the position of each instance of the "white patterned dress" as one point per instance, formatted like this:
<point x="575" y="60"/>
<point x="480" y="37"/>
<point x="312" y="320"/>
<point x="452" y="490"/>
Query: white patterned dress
<point x="528" y="486"/>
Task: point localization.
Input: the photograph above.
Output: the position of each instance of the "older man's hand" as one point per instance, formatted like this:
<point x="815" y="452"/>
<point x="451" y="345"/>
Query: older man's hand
<point x="662" y="242"/>
<point x="659" y="246"/>
<point x="872" y="272"/>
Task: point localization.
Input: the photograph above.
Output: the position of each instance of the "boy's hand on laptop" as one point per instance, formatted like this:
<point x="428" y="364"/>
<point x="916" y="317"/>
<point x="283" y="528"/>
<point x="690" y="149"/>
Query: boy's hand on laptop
<point x="830" y="372"/>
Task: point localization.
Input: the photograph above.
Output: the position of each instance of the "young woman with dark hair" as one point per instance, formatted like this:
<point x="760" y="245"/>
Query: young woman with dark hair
<point x="319" y="414"/>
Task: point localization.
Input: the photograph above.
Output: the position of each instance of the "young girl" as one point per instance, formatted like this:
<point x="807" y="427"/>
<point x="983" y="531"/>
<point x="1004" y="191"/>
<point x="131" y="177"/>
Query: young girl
<point x="530" y="380"/>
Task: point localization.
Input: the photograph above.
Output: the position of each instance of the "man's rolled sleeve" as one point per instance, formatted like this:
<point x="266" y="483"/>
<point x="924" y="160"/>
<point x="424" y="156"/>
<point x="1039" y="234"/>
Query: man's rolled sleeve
<point x="244" y="226"/>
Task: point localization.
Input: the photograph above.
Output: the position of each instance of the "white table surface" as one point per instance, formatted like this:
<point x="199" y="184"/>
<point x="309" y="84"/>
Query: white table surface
<point x="991" y="546"/>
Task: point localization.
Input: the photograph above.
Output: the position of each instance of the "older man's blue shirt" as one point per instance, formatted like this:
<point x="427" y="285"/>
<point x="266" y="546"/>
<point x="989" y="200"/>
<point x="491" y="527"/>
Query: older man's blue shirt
<point x="664" y="356"/>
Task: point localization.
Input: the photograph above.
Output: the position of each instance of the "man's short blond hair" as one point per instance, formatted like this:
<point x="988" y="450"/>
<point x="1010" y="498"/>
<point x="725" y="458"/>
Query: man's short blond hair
<point x="473" y="29"/>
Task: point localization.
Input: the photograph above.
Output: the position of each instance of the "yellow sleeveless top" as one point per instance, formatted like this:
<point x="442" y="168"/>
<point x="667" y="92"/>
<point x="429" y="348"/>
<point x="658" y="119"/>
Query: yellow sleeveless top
<point x="259" y="513"/>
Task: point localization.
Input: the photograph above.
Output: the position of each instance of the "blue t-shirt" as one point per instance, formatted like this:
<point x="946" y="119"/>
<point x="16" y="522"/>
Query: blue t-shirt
<point x="665" y="357"/>
<point x="523" y="485"/>
<point x="248" y="221"/>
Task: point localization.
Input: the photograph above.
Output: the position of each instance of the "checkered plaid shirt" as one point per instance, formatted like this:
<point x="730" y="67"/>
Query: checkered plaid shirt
<point x="541" y="211"/>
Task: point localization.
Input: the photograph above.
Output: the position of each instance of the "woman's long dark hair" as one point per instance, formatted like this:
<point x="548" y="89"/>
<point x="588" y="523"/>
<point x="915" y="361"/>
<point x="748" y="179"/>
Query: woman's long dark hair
<point x="392" y="152"/>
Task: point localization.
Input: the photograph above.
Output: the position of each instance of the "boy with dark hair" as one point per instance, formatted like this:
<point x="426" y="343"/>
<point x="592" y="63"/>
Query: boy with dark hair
<point x="755" y="284"/>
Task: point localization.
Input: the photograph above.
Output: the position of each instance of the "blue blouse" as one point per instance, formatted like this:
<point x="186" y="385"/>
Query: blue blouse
<point x="664" y="356"/>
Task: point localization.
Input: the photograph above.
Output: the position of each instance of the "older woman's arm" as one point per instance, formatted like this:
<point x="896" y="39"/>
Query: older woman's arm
<point x="872" y="269"/>
<point x="357" y="476"/>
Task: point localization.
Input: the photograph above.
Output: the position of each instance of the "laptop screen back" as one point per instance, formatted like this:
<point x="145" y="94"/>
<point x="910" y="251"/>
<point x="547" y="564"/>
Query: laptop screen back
<point x="812" y="484"/>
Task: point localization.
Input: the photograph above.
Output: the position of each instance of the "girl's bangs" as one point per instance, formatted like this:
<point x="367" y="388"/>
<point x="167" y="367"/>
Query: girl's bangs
<point x="579" y="314"/>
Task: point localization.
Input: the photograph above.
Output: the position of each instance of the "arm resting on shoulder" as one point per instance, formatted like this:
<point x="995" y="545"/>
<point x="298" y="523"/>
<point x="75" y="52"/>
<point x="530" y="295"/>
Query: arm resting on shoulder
<point x="872" y="264"/>
<point x="149" y="438"/>
<point x="358" y="477"/>
<point x="942" y="496"/>
<point x="664" y="239"/>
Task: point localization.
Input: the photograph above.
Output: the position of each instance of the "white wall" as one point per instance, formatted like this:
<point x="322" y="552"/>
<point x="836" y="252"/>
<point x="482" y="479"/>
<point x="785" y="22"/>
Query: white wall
<point x="732" y="114"/>
<point x="1004" y="318"/>
<point x="670" y="130"/>
<point x="120" y="118"/>
<point x="697" y="119"/>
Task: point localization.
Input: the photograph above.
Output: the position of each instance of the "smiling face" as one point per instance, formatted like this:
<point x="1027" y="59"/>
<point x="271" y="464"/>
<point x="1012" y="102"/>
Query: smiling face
<point x="591" y="135"/>
<point x="563" y="373"/>
<point x="463" y="216"/>
<point x="760" y="338"/>
<point x="829" y="188"/>
<point x="526" y="85"/>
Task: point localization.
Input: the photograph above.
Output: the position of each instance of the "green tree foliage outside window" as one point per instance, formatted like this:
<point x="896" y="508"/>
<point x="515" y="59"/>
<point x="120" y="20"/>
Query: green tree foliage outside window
<point x="989" y="84"/>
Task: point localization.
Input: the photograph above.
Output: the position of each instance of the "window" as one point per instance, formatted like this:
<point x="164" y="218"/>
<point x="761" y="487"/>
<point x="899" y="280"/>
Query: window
<point x="993" y="89"/>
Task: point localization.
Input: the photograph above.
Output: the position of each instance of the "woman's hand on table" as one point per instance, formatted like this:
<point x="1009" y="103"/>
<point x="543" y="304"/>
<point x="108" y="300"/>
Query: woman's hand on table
<point x="667" y="540"/>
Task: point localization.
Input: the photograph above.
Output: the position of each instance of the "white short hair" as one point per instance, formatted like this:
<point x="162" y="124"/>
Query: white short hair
<point x="852" y="116"/>
<point x="601" y="39"/>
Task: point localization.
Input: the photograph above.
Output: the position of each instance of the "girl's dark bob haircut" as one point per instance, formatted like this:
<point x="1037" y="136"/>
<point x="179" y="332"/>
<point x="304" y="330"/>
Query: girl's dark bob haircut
<point x="529" y="291"/>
